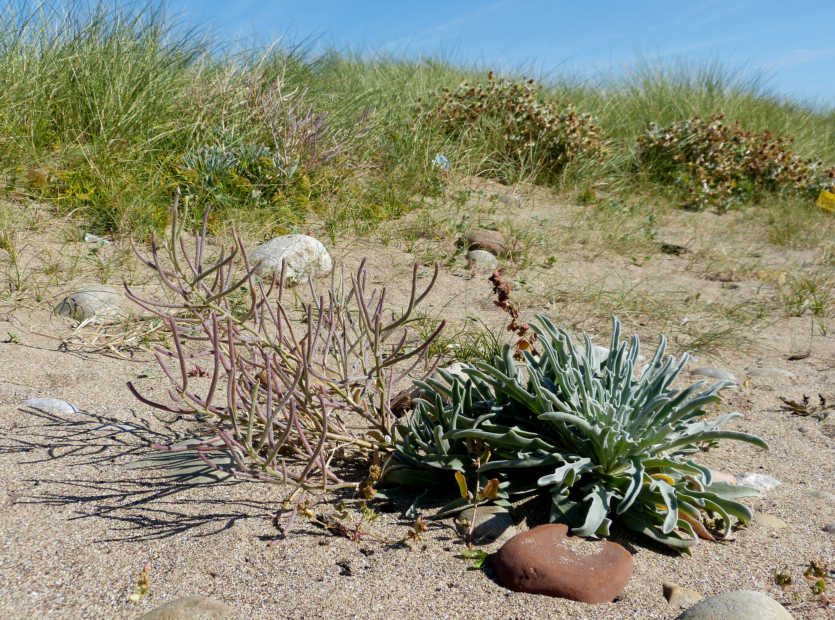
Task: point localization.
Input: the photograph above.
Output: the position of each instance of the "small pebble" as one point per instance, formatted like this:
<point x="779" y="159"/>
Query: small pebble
<point x="718" y="476"/>
<point x="758" y="481"/>
<point x="713" y="373"/>
<point x="680" y="597"/>
<point x="829" y="529"/>
<point x="53" y="405"/>
<point x="491" y="523"/>
<point x="483" y="259"/>
<point x="772" y="523"/>
<point x="511" y="199"/>
<point x="769" y="372"/>
<point x="821" y="495"/>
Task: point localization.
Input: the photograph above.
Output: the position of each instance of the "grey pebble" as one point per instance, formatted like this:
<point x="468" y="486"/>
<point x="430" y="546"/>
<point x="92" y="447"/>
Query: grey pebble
<point x="769" y="372"/>
<point x="492" y="523"/>
<point x="713" y="373"/>
<point x="483" y="259"/>
<point x="101" y="302"/>
<point x="190" y="608"/>
<point x="760" y="482"/>
<point x="52" y="405"/>
<point x="737" y="605"/>
<point x="821" y="495"/>
<point x="511" y="199"/>
<point x="829" y="529"/>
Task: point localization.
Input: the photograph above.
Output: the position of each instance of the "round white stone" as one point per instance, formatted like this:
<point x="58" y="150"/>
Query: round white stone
<point x="304" y="256"/>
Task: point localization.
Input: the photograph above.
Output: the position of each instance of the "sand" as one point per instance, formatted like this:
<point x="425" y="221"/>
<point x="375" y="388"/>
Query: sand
<point x="75" y="530"/>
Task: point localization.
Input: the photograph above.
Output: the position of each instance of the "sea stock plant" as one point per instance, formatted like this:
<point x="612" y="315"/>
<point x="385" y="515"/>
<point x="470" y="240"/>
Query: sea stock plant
<point x="607" y="442"/>
<point x="295" y="389"/>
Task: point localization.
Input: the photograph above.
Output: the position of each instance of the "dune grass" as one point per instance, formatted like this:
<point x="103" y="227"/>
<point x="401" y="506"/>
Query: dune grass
<point x="99" y="104"/>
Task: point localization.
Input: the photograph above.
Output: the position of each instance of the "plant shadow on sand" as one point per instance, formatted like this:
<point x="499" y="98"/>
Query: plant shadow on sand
<point x="145" y="509"/>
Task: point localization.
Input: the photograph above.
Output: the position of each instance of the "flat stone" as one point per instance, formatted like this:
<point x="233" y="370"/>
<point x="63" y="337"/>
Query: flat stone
<point x="492" y="523"/>
<point x="772" y="523"/>
<point x="186" y="466"/>
<point x="101" y="302"/>
<point x="769" y="372"/>
<point x="483" y="259"/>
<point x="680" y="597"/>
<point x="829" y="529"/>
<point x="737" y="605"/>
<point x="827" y="497"/>
<point x="456" y="370"/>
<point x="190" y="608"/>
<point x="761" y="482"/>
<point x="490" y="241"/>
<point x="546" y="560"/>
<point x="718" y="476"/>
<point x="52" y="405"/>
<point x="304" y="255"/>
<point x="713" y="373"/>
<point x="512" y="199"/>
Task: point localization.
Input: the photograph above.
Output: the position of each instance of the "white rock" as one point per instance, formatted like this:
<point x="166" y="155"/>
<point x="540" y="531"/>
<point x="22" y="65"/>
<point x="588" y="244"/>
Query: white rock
<point x="604" y="353"/>
<point x="769" y="372"/>
<point x="456" y="370"/>
<point x="103" y="302"/>
<point x="713" y="373"/>
<point x="94" y="239"/>
<point x="304" y="256"/>
<point x="760" y="482"/>
<point x="737" y="605"/>
<point x="483" y="259"/>
<point x="52" y="405"/>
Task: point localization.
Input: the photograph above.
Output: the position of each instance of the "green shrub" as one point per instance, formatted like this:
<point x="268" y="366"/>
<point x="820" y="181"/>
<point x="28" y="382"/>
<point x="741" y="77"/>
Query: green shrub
<point x="512" y="124"/>
<point x="619" y="441"/>
<point x="711" y="163"/>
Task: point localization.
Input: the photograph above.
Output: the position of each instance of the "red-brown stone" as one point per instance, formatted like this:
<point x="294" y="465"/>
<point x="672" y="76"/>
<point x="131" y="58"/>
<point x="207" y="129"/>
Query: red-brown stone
<point x="490" y="241"/>
<point x="540" y="561"/>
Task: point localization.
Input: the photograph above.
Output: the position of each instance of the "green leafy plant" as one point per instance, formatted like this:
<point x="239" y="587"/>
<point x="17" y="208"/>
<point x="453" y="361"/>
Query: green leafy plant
<point x="711" y="163"/>
<point x="619" y="440"/>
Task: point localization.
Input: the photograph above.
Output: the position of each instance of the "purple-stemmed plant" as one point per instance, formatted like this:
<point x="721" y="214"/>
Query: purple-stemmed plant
<point x="302" y="389"/>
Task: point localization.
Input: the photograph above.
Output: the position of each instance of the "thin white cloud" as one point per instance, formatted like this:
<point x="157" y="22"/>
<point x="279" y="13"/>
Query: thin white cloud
<point x="423" y="36"/>
<point x="803" y="56"/>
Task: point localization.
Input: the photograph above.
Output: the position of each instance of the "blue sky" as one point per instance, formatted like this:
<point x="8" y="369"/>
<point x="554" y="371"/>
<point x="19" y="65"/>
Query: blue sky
<point x="793" y="43"/>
